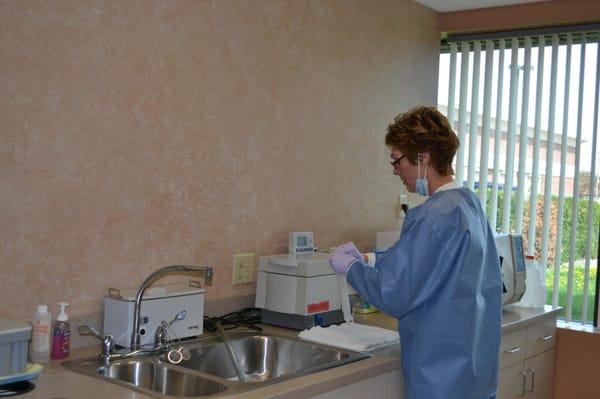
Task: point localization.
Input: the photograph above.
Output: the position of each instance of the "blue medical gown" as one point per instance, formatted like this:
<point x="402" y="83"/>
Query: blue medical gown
<point x="442" y="281"/>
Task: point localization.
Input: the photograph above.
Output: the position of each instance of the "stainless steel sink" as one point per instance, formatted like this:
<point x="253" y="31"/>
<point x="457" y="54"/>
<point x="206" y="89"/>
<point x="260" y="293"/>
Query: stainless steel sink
<point x="264" y="359"/>
<point x="151" y="377"/>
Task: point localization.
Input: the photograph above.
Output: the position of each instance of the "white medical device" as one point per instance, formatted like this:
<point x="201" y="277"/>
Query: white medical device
<point x="512" y="263"/>
<point x="298" y="291"/>
<point x="300" y="242"/>
<point x="179" y="304"/>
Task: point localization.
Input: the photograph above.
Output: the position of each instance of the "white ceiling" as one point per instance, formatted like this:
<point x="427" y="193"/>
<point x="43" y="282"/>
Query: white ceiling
<point x="460" y="5"/>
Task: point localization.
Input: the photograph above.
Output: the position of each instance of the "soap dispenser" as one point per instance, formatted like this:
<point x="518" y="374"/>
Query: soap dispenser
<point x="61" y="336"/>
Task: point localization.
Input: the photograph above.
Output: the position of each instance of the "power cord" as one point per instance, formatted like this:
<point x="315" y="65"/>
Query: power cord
<point x="247" y="317"/>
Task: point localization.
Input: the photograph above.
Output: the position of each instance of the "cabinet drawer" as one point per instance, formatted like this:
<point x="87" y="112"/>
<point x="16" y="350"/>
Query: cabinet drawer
<point x="512" y="348"/>
<point x="541" y="337"/>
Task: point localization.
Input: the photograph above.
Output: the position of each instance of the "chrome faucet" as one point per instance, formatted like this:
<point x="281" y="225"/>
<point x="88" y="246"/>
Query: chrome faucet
<point x="108" y="352"/>
<point x="207" y="272"/>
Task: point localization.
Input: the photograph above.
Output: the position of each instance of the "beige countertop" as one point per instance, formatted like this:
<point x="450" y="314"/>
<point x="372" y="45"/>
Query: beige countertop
<point x="55" y="382"/>
<point x="515" y="317"/>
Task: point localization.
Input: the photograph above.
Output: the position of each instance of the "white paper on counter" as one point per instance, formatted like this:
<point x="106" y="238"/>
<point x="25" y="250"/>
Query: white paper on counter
<point x="352" y="336"/>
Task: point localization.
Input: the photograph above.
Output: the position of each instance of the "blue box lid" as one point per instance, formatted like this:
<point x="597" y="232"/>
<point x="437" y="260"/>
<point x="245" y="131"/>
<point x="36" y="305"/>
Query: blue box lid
<point x="14" y="331"/>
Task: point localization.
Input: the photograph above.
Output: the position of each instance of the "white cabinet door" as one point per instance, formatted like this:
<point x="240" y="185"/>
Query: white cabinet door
<point x="511" y="382"/>
<point x="372" y="387"/>
<point x="388" y="386"/>
<point x="394" y="385"/>
<point x="531" y="379"/>
<point x="540" y="375"/>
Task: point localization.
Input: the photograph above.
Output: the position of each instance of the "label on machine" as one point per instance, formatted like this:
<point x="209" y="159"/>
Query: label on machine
<point x="318" y="307"/>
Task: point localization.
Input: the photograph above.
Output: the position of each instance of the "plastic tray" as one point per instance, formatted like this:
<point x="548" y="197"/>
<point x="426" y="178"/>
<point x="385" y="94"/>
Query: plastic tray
<point x="26" y="376"/>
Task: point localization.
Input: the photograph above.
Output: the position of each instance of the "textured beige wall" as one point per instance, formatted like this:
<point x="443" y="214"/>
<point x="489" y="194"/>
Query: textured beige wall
<point x="137" y="134"/>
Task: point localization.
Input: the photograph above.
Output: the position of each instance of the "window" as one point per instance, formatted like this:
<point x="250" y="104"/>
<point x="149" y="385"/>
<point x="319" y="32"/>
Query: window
<point x="525" y="108"/>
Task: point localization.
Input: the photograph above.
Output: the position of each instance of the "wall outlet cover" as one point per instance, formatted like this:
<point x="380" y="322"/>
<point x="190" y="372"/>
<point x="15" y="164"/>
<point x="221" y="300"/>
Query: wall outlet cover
<point x="243" y="268"/>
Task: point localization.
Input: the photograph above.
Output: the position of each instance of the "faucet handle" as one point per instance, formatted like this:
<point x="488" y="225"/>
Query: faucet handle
<point x="161" y="336"/>
<point x="179" y="316"/>
<point x="84" y="329"/>
<point x="108" y="342"/>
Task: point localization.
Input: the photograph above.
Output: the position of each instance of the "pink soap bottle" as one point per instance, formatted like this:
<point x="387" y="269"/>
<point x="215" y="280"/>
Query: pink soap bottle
<point x="61" y="335"/>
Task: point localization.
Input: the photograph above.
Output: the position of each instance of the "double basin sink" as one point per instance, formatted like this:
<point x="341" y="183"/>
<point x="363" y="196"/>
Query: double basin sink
<point x="263" y="358"/>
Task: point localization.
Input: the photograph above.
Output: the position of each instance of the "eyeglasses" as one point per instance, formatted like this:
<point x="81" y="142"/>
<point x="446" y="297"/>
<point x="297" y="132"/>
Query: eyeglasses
<point x="396" y="161"/>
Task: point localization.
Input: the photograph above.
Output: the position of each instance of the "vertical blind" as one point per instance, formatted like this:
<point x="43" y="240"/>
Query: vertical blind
<point x="525" y="109"/>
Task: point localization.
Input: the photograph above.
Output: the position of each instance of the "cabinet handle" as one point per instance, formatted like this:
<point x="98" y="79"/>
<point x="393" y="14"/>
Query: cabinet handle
<point x="545" y="338"/>
<point x="513" y="350"/>
<point x="523" y="385"/>
<point x="532" y="371"/>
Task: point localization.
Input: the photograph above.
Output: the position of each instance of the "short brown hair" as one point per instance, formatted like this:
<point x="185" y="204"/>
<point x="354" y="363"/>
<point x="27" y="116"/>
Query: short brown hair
<point x="424" y="129"/>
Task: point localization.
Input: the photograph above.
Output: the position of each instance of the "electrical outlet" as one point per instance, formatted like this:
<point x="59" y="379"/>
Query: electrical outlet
<point x="243" y="268"/>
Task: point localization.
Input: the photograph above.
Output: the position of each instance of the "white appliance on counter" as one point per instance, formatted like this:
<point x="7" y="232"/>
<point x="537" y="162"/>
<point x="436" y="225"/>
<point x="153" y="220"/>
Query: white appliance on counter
<point x="179" y="304"/>
<point x="512" y="263"/>
<point x="298" y="291"/>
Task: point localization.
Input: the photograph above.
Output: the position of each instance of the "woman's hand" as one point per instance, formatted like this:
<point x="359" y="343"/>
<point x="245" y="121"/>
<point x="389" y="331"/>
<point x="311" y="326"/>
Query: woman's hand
<point x="341" y="262"/>
<point x="350" y="249"/>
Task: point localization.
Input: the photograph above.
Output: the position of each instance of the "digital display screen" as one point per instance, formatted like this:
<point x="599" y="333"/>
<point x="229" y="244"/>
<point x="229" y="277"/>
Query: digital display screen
<point x="517" y="245"/>
<point x="301" y="241"/>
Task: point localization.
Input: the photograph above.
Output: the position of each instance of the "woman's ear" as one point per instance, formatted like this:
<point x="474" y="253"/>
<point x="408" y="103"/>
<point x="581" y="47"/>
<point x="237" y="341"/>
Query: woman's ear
<point x="425" y="157"/>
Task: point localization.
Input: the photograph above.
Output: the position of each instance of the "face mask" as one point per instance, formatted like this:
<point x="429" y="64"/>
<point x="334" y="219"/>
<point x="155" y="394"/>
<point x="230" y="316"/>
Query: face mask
<point x="421" y="184"/>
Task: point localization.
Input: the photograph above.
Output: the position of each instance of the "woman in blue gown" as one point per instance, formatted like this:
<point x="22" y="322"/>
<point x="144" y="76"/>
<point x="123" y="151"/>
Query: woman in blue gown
<point x="441" y="279"/>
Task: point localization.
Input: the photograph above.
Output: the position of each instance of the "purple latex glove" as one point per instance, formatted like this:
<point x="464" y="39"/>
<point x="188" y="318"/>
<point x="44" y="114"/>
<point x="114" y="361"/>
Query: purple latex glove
<point x="350" y="249"/>
<point x="341" y="262"/>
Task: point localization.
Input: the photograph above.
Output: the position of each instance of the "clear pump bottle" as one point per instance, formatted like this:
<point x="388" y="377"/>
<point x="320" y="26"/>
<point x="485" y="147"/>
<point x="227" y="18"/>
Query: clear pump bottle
<point x="41" y="324"/>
